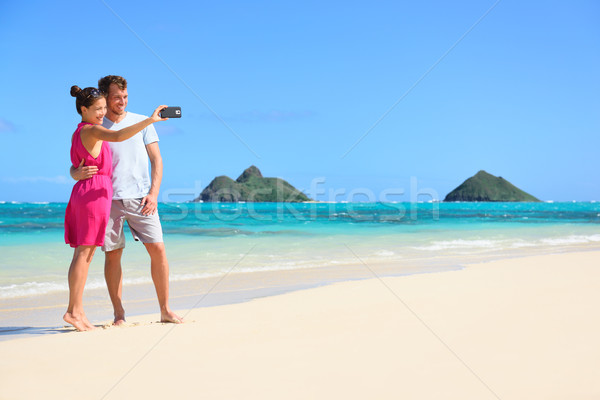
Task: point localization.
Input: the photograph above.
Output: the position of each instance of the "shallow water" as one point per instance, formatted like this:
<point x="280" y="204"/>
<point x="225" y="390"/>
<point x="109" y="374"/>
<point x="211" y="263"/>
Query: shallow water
<point x="209" y="239"/>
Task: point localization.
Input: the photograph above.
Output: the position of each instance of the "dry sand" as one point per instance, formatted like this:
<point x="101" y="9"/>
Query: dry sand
<point x="524" y="328"/>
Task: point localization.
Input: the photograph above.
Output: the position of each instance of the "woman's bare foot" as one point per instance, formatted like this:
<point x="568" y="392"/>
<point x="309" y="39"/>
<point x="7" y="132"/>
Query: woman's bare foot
<point x="170" y="317"/>
<point x="87" y="323"/>
<point x="77" y="321"/>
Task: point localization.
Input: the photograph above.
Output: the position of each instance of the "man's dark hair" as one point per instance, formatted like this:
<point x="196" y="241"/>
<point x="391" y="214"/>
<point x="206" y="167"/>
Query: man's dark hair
<point x="104" y="83"/>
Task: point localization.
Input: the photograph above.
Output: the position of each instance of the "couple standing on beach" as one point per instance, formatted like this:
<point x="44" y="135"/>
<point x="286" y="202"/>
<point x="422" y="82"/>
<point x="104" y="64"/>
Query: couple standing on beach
<point x="113" y="185"/>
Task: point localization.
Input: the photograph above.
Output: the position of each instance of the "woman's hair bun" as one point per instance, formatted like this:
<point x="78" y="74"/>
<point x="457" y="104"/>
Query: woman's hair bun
<point x="75" y="90"/>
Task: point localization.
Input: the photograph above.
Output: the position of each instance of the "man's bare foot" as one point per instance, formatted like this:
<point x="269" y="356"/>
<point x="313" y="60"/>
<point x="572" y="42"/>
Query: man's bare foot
<point x="170" y="317"/>
<point x="119" y="316"/>
<point x="77" y="321"/>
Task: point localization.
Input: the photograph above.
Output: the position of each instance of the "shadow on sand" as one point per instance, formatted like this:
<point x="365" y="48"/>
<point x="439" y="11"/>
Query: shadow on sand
<point x="18" y="331"/>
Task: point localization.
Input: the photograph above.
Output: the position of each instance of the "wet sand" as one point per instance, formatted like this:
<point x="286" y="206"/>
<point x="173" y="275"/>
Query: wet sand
<point x="511" y="329"/>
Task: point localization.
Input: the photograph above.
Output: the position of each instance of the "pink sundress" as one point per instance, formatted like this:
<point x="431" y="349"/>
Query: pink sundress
<point x="88" y="210"/>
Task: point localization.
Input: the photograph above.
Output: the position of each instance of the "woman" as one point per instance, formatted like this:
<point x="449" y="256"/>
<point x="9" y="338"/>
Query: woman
<point x="89" y="206"/>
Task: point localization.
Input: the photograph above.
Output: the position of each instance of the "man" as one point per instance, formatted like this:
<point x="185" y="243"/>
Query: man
<point x="134" y="199"/>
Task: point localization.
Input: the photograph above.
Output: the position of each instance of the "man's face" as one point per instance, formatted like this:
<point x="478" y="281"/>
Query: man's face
<point x="116" y="99"/>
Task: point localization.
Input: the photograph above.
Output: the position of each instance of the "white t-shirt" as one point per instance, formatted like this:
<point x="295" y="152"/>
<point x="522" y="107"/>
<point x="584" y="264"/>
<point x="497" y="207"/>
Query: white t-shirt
<point x="130" y="179"/>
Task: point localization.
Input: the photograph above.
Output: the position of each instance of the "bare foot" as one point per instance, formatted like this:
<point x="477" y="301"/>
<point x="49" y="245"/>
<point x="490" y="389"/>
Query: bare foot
<point x="77" y="321"/>
<point x="119" y="316"/>
<point x="87" y="323"/>
<point x="170" y="317"/>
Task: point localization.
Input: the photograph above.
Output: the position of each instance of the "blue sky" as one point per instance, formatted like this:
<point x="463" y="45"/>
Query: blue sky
<point x="291" y="87"/>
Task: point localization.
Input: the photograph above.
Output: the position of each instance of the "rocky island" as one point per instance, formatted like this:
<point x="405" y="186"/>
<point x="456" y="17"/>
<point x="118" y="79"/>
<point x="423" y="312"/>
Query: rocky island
<point x="250" y="186"/>
<point x="487" y="187"/>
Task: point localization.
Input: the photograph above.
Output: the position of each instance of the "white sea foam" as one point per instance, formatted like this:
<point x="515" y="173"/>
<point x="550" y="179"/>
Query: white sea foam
<point x="459" y="244"/>
<point x="521" y="243"/>
<point x="515" y="243"/>
<point x="384" y="253"/>
<point x="40" y="288"/>
<point x="28" y="289"/>
<point x="572" y="239"/>
<point x="295" y="265"/>
<point x="31" y="289"/>
<point x="186" y="277"/>
<point x="135" y="281"/>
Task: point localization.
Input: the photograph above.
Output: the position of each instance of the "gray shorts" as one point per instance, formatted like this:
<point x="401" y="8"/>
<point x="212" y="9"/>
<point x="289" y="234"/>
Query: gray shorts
<point x="145" y="228"/>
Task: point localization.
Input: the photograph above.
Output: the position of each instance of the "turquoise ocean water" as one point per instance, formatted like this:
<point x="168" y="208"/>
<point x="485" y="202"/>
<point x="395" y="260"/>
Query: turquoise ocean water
<point x="210" y="239"/>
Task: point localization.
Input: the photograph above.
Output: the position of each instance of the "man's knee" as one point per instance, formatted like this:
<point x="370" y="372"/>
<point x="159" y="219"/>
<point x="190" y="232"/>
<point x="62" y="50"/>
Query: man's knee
<point x="112" y="258"/>
<point x="156" y="249"/>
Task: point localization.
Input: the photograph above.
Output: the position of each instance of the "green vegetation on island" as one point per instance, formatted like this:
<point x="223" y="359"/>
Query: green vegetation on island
<point x="487" y="187"/>
<point x="250" y="186"/>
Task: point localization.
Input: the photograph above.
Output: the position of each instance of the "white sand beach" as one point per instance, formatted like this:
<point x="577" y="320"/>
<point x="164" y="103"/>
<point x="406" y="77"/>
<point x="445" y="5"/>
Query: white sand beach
<point x="521" y="328"/>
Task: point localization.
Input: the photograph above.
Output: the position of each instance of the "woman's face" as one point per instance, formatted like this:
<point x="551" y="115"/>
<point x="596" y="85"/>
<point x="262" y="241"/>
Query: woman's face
<point x="95" y="113"/>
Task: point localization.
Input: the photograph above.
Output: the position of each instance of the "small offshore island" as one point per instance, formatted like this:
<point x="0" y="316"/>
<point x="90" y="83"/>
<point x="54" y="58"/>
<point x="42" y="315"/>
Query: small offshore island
<point x="251" y="186"/>
<point x="485" y="187"/>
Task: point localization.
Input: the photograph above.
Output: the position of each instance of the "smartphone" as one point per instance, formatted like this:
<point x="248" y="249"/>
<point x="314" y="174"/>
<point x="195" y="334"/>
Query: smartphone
<point x="171" y="112"/>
